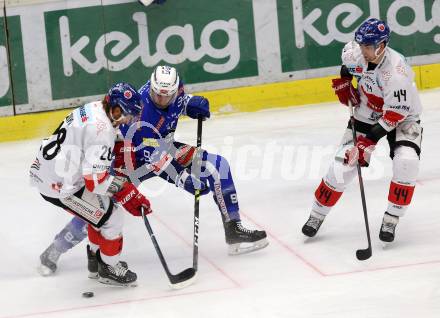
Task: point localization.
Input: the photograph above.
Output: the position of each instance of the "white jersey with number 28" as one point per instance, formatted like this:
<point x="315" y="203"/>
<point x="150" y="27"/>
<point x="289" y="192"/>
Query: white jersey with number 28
<point x="78" y="152"/>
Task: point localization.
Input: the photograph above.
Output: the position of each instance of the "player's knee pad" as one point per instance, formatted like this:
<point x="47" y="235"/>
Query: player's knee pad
<point x="405" y="165"/>
<point x="339" y="175"/>
<point x="405" y="171"/>
<point x="113" y="227"/>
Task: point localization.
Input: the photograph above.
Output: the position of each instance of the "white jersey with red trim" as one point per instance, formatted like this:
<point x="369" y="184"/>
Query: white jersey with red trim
<point x="78" y="154"/>
<point x="388" y="92"/>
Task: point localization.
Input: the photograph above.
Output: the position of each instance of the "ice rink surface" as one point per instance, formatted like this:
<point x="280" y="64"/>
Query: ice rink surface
<point x="277" y="159"/>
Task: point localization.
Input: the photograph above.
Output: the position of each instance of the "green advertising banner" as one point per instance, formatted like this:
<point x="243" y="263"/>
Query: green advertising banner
<point x="17" y="63"/>
<point x="5" y="91"/>
<point x="313" y="32"/>
<point x="65" y="53"/>
<point x="91" y="47"/>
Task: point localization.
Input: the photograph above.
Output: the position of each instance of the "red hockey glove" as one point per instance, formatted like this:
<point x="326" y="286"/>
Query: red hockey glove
<point x="132" y="200"/>
<point x="185" y="155"/>
<point x="124" y="157"/>
<point x="346" y="91"/>
<point x="360" y="153"/>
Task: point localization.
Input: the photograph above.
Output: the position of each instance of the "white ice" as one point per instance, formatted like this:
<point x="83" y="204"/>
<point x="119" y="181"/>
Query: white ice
<point x="277" y="157"/>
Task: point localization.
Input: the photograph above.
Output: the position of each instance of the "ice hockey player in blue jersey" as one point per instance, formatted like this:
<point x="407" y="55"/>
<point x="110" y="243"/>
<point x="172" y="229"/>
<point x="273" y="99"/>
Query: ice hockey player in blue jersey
<point x="158" y="154"/>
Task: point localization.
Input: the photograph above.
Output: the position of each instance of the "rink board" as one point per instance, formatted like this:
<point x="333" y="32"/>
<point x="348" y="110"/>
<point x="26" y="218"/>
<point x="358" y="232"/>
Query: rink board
<point x="225" y="101"/>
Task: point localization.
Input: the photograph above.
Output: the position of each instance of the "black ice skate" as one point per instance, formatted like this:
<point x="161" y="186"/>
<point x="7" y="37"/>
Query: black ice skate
<point x="388" y="228"/>
<point x="118" y="275"/>
<point x="49" y="259"/>
<point x="242" y="240"/>
<point x="92" y="264"/>
<point x="313" y="224"/>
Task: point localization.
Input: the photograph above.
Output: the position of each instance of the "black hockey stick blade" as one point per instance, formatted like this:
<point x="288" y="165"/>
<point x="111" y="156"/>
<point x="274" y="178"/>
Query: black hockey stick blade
<point x="183" y="279"/>
<point x="363" y="255"/>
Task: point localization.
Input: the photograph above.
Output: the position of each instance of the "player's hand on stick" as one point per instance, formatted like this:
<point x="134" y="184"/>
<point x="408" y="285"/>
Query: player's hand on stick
<point x="346" y="91"/>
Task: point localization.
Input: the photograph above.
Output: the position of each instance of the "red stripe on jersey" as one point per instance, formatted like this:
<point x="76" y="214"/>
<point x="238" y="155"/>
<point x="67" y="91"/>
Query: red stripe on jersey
<point x="102" y="176"/>
<point x="90" y="183"/>
<point x="90" y="180"/>
<point x="374" y="102"/>
<point x="392" y="118"/>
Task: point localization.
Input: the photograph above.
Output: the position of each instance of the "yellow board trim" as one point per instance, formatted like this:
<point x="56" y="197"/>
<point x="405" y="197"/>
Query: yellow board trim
<point x="225" y="101"/>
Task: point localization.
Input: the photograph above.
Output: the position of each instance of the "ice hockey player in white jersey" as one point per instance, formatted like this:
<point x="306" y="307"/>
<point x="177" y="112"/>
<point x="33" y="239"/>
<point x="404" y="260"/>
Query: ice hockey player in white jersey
<point x="387" y="104"/>
<point x="71" y="171"/>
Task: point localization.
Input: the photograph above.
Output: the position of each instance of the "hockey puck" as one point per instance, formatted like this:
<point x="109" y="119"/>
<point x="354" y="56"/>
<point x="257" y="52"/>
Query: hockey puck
<point x="88" y="294"/>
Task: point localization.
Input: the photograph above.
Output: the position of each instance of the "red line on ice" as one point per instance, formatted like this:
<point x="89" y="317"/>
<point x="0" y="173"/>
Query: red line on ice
<point x="236" y="284"/>
<point x="324" y="274"/>
<point x="285" y="246"/>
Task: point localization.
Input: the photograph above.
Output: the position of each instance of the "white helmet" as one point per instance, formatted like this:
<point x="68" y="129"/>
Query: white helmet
<point x="164" y="86"/>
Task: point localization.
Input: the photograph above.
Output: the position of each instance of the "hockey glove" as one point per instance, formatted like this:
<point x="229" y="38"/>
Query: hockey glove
<point x="360" y="153"/>
<point x="185" y="155"/>
<point x="198" y="106"/>
<point x="132" y="200"/>
<point x="346" y="91"/>
<point x="124" y="157"/>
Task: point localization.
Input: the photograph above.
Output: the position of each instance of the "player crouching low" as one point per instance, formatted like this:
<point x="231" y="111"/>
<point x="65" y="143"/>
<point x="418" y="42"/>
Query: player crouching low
<point x="71" y="172"/>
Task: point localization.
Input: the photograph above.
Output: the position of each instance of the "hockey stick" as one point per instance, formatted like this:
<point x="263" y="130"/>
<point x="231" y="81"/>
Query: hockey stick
<point x="361" y="254"/>
<point x="197" y="199"/>
<point x="180" y="280"/>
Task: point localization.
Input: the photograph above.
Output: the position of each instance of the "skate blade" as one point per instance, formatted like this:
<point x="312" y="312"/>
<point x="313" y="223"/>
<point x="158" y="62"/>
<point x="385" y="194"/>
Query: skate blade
<point x="386" y="245"/>
<point x="239" y="249"/>
<point x="44" y="271"/>
<point x="110" y="282"/>
<point x="93" y="275"/>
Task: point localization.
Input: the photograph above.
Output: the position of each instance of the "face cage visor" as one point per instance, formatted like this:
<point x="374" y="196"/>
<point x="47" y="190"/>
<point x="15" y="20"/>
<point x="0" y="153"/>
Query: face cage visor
<point x="162" y="100"/>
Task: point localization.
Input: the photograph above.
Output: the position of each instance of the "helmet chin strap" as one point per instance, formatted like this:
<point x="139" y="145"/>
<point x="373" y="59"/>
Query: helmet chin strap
<point x="116" y="122"/>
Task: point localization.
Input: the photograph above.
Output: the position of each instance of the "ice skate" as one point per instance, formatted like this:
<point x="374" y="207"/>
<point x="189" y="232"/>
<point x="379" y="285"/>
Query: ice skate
<point x="388" y="228"/>
<point x="49" y="259"/>
<point x="118" y="275"/>
<point x="313" y="224"/>
<point x="92" y="264"/>
<point x="242" y="240"/>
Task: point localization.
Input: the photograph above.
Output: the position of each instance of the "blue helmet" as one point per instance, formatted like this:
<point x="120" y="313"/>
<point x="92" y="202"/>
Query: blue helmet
<point x="372" y="32"/>
<point x="125" y="96"/>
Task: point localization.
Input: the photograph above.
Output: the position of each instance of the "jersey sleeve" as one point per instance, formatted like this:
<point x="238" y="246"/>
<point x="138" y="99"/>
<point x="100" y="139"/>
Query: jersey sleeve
<point x="98" y="146"/>
<point x="397" y="91"/>
<point x="186" y="98"/>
